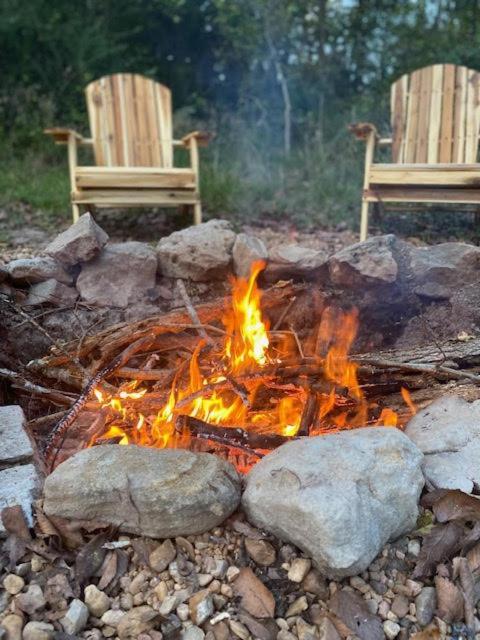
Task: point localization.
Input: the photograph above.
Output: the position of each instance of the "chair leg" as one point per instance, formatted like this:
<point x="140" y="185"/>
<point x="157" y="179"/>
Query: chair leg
<point x="75" y="212"/>
<point x="197" y="213"/>
<point x="364" y="221"/>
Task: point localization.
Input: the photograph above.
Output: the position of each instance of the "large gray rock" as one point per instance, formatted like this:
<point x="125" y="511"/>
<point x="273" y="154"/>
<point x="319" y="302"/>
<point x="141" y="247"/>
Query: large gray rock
<point x="367" y="263"/>
<point x="120" y="275"/>
<point x="19" y="485"/>
<point x="247" y="250"/>
<point x="33" y="270"/>
<point x="295" y="261"/>
<point x="448" y="433"/>
<point x="160" y="493"/>
<point x="51" y="292"/>
<point x="200" y="253"/>
<point x="338" y="497"/>
<point x="15" y="443"/>
<point x="439" y="271"/>
<point x="79" y="243"/>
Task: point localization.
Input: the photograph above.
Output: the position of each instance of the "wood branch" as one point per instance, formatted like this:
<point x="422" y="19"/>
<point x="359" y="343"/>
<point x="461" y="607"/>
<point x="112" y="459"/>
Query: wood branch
<point x="191" y="311"/>
<point x="21" y="382"/>
<point x="438" y="371"/>
<point x="309" y="414"/>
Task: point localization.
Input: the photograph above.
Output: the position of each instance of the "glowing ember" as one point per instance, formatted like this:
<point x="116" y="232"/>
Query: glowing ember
<point x="234" y="391"/>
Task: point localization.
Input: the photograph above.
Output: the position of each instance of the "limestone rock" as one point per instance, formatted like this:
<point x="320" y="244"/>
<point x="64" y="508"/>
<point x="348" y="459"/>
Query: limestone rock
<point x="15" y="443"/>
<point x="295" y="261"/>
<point x="97" y="601"/>
<point x="34" y="630"/>
<point x="247" y="250"/>
<point x="76" y="617"/>
<point x="154" y="492"/>
<point x="162" y="556"/>
<point x="51" y="292"/>
<point x="79" y="243"/>
<point x="32" y="600"/>
<point x="120" y="275"/>
<point x="136" y="621"/>
<point x="448" y="433"/>
<point x="366" y="263"/>
<point x="19" y="485"/>
<point x="440" y="270"/>
<point x="200" y="253"/>
<point x="338" y="497"/>
<point x="38" y="269"/>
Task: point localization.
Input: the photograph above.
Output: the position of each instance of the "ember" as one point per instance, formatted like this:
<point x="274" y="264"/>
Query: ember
<point x="250" y="390"/>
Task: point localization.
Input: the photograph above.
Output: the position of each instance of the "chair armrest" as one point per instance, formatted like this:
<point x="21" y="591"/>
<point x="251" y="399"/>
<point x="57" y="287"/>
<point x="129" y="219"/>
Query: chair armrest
<point x="62" y="134"/>
<point x="202" y="138"/>
<point x="363" y="130"/>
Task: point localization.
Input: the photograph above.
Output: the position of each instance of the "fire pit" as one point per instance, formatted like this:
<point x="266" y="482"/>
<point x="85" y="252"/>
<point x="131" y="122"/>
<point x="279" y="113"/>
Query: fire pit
<point x="238" y="385"/>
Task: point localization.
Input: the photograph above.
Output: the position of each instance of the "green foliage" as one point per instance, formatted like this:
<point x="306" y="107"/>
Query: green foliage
<point x="264" y="75"/>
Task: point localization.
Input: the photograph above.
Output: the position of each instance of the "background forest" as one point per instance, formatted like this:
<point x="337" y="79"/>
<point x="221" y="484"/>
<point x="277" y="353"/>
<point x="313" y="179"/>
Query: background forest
<point x="277" y="81"/>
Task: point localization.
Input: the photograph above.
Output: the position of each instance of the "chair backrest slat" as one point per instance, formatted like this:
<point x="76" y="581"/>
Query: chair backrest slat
<point x="435" y="114"/>
<point x="130" y="121"/>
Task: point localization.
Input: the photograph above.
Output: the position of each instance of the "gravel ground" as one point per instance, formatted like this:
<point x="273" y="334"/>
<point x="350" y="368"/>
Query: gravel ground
<point x="232" y="582"/>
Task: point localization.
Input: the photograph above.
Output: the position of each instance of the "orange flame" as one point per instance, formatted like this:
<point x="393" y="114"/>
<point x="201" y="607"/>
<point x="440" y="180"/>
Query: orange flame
<point x="226" y="396"/>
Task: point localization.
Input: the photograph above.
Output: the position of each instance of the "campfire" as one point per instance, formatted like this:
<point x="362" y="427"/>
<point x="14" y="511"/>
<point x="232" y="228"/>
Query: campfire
<point x="240" y="388"/>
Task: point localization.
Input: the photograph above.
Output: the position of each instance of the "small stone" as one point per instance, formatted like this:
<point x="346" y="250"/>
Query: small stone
<point x="13" y="584"/>
<point x="108" y="632"/>
<point x="201" y="607"/>
<point x="93" y="634"/>
<point x="261" y="551"/>
<point x="359" y="584"/>
<point x="296" y="608"/>
<point x="81" y="242"/>
<point x="138" y="599"/>
<point x="392" y="629"/>
<point x="126" y="601"/>
<point x="219" y="569"/>
<point x="168" y="605"/>
<point x="232" y="573"/>
<point x="305" y="631"/>
<point x="32" y="600"/>
<point x="112" y="617"/>
<point x="426" y="603"/>
<point x="171" y="628"/>
<point x="76" y="617"/>
<point x="97" y="601"/>
<point x="162" y="556"/>
<point x="413" y="547"/>
<point x="299" y="569"/>
<point x="383" y="609"/>
<point x="34" y="630"/>
<point x="239" y="629"/>
<point x="138" y="620"/>
<point x="161" y="591"/>
<point x="204" y="579"/>
<point x="137" y="583"/>
<point x="226" y="590"/>
<point x="51" y="292"/>
<point x="413" y="587"/>
<point x="286" y="635"/>
<point x="316" y="584"/>
<point x="193" y="633"/>
<point x="183" y="611"/>
<point x="13" y="624"/>
<point x="400" y="606"/>
<point x="186" y="546"/>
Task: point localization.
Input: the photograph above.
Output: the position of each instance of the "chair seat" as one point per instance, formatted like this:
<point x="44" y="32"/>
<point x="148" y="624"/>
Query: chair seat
<point x="134" y="178"/>
<point x="433" y="175"/>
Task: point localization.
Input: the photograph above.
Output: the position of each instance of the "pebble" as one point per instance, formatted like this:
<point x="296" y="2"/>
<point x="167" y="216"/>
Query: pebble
<point x="201" y="606"/>
<point x="261" y="551"/>
<point x="193" y="633"/>
<point x="31" y="600"/>
<point x="13" y="624"/>
<point x="168" y="605"/>
<point x="425" y="605"/>
<point x="183" y="612"/>
<point x="400" y="606"/>
<point x="359" y="584"/>
<point x="13" y="584"/>
<point x="137" y="583"/>
<point x="97" y="601"/>
<point x="297" y="607"/>
<point x="186" y="546"/>
<point x="76" y="617"/>
<point x="383" y="609"/>
<point x="414" y="547"/>
<point x="286" y="635"/>
<point x="112" y="617"/>
<point x="232" y="573"/>
<point x="239" y="629"/>
<point x="162" y="556"/>
<point x="34" y="630"/>
<point x="299" y="569"/>
<point x="391" y="629"/>
<point x="161" y="591"/>
<point x="204" y="579"/>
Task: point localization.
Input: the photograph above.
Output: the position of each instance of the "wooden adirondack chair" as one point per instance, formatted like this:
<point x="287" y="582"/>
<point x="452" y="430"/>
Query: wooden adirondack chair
<point x="435" y="117"/>
<point x="131" y="134"/>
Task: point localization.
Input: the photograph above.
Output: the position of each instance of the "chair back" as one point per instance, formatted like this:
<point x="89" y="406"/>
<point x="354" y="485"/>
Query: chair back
<point x="435" y="115"/>
<point x="130" y="121"/>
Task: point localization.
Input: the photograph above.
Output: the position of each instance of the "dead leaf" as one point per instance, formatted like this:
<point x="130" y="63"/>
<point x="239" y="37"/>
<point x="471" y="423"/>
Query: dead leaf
<point x="456" y="505"/>
<point x="354" y="613"/>
<point x="255" y="598"/>
<point x="468" y="590"/>
<point x="64" y="531"/>
<point x="15" y="523"/>
<point x="57" y="590"/>
<point x="471" y="538"/>
<point x="473" y="558"/>
<point x="90" y="558"/>
<point x="14" y="547"/>
<point x="429" y="499"/>
<point x="143" y="548"/>
<point x="449" y="600"/>
<point x="429" y="633"/>
<point x="109" y="570"/>
<point x="443" y="542"/>
<point x="247" y="530"/>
